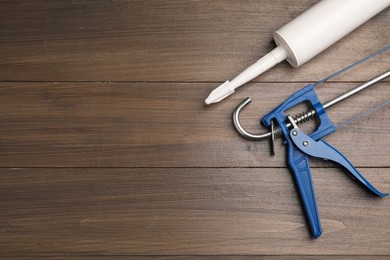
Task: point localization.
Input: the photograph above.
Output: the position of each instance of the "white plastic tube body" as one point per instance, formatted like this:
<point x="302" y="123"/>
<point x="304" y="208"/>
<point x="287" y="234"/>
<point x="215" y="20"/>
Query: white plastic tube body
<point x="306" y="36"/>
<point x="322" y="25"/>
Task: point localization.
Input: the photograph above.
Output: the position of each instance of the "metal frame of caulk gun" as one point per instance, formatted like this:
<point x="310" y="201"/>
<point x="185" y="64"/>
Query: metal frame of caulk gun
<point x="303" y="117"/>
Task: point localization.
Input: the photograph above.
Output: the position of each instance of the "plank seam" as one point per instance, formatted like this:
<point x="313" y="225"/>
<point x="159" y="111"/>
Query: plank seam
<point x="180" y="255"/>
<point x="173" y="82"/>
<point x="189" y="167"/>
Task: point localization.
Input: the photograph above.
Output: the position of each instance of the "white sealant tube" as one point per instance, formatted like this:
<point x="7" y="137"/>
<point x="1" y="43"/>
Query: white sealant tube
<point x="306" y="36"/>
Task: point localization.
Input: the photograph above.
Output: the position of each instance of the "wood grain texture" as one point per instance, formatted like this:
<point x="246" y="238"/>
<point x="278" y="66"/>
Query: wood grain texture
<point x="167" y="125"/>
<point x="212" y="257"/>
<point x="164" y="40"/>
<point x="107" y="150"/>
<point x="186" y="211"/>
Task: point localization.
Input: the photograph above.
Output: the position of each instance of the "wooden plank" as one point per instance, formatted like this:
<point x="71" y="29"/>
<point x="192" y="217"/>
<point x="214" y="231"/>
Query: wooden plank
<point x="225" y="257"/>
<point x="167" y="125"/>
<point x="164" y="40"/>
<point x="186" y="211"/>
<point x="183" y="49"/>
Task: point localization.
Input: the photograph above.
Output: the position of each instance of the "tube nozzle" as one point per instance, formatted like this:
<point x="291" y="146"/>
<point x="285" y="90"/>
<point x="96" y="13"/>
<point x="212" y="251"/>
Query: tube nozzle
<point x="268" y="61"/>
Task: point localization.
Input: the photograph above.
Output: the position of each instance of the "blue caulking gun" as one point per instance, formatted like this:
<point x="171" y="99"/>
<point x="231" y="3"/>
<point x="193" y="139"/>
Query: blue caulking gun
<point x="300" y="145"/>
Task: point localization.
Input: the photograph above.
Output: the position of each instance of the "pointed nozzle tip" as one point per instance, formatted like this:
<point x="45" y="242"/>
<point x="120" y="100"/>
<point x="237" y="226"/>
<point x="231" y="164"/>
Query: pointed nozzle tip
<point x="219" y="93"/>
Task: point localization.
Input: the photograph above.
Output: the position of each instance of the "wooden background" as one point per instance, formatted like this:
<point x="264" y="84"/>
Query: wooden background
<point x="107" y="150"/>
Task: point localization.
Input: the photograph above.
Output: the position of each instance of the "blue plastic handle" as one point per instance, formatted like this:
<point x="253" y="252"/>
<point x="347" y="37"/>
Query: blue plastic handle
<point x="298" y="161"/>
<point x="323" y="150"/>
<point x="299" y="165"/>
<point x="298" y="152"/>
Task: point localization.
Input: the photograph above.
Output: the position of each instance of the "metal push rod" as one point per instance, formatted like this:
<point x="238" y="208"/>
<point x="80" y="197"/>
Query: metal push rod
<point x="357" y="89"/>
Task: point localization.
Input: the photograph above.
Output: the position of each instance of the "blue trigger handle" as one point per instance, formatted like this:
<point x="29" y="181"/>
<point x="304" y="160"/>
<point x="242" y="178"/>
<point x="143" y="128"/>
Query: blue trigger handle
<point x="300" y="167"/>
<point x="323" y="150"/>
<point x="298" y="161"/>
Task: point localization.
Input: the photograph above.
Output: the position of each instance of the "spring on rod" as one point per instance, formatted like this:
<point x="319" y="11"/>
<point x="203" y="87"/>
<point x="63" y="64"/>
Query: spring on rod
<point x="299" y="118"/>
<point x="304" y="116"/>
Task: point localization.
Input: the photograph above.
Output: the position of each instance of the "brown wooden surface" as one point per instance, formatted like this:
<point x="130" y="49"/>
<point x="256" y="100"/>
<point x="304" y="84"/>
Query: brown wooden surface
<point x="108" y="151"/>
<point x="163" y="40"/>
<point x="166" y="125"/>
<point x="187" y="211"/>
<point x="225" y="257"/>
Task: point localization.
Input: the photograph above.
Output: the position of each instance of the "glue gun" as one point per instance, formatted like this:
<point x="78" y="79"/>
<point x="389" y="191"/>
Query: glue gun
<point x="300" y="145"/>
